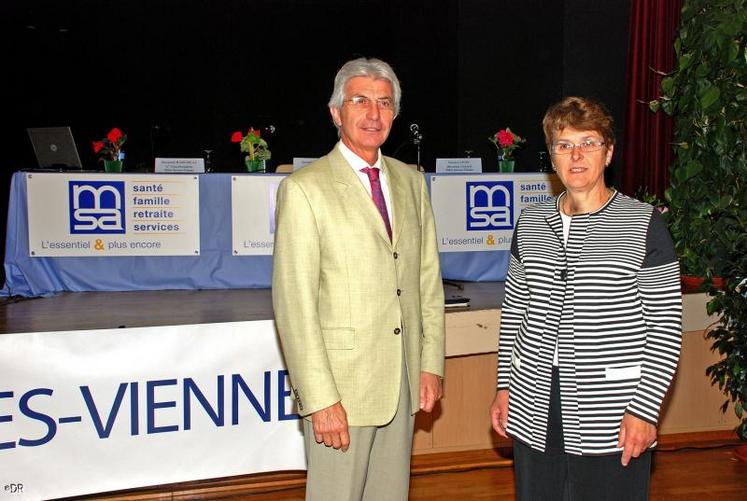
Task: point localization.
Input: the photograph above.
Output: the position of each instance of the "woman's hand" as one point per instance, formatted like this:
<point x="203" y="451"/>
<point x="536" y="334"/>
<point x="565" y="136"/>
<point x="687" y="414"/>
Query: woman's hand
<point x="636" y="436"/>
<point x="499" y="413"/>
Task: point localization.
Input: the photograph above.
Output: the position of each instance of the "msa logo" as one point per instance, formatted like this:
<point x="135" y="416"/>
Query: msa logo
<point x="490" y="205"/>
<point x="96" y="207"/>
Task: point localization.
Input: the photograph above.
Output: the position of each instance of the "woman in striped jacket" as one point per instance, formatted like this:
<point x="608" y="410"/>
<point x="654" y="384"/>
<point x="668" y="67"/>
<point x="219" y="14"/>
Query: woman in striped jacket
<point x="590" y="325"/>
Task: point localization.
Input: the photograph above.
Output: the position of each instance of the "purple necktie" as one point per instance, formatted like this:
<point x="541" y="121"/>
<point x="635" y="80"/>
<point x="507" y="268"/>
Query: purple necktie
<point x="378" y="196"/>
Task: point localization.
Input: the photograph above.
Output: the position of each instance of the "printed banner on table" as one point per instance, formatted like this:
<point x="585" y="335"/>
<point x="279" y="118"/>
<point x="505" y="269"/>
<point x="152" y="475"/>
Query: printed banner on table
<point x="93" y="411"/>
<point x="479" y="212"/>
<point x="113" y="215"/>
<point x="253" y="214"/>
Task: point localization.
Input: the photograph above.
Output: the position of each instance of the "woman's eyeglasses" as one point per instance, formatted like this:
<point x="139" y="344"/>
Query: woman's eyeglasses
<point x="566" y="148"/>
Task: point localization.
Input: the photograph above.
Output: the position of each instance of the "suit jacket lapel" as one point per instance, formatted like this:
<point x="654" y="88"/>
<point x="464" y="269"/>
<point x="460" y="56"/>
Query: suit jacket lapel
<point x="399" y="200"/>
<point x="350" y="187"/>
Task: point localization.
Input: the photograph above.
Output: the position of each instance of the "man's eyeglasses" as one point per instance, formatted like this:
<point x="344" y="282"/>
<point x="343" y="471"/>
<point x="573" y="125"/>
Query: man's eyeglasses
<point x="383" y="103"/>
<point x="588" y="146"/>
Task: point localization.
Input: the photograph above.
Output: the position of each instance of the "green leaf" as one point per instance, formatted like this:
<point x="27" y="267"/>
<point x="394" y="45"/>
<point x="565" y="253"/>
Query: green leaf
<point x="731" y="26"/>
<point x="725" y="201"/>
<point x="710" y="97"/>
<point x="702" y="70"/>
<point x="667" y="84"/>
<point x="685" y="61"/>
<point x="733" y="52"/>
<point x="668" y="197"/>
<point x="653" y="105"/>
<point x="668" y="107"/>
<point x="691" y="169"/>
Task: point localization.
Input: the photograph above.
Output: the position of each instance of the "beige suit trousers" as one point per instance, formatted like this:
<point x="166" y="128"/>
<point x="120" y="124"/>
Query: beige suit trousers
<point x="376" y="466"/>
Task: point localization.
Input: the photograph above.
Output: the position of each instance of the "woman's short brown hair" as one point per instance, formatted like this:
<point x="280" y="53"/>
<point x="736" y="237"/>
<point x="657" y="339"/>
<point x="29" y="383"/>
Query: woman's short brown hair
<point x="579" y="113"/>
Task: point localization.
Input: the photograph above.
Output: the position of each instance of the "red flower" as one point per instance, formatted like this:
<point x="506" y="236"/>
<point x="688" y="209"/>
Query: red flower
<point x="505" y="138"/>
<point x="97" y="146"/>
<point x="255" y="132"/>
<point x="114" y="135"/>
<point x="236" y="137"/>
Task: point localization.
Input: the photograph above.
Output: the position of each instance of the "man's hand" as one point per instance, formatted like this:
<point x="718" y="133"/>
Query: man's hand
<point x="636" y="435"/>
<point x="499" y="413"/>
<point x="431" y="390"/>
<point x="331" y="427"/>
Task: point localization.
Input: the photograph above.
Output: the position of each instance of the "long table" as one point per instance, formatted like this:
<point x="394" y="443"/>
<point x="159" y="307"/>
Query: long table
<point x="217" y="266"/>
<point x="78" y="405"/>
<point x="165" y="387"/>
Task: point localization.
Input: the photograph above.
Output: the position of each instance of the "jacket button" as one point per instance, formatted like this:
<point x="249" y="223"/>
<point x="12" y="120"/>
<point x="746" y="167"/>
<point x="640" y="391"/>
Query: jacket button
<point x="563" y="274"/>
<point x="397" y="331"/>
<point x="395" y="255"/>
<point x="399" y="292"/>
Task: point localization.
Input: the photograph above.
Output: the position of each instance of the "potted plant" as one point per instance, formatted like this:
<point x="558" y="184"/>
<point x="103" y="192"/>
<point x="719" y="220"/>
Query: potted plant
<point x="506" y="142"/>
<point x="729" y="338"/>
<point x="110" y="151"/>
<point x="255" y="147"/>
<point x="707" y="96"/>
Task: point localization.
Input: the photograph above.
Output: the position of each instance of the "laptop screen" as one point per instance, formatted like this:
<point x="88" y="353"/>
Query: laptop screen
<point x="54" y="147"/>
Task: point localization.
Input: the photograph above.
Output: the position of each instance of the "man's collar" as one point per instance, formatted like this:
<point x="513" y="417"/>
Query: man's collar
<point x="354" y="160"/>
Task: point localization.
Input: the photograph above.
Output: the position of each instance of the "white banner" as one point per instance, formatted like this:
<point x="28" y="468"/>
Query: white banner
<point x="253" y="214"/>
<point x="479" y="212"/>
<point x="113" y="215"/>
<point x="94" y="411"/>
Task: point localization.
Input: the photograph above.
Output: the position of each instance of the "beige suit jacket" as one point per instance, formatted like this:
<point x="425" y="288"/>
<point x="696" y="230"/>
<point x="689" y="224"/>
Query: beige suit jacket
<point x="347" y="300"/>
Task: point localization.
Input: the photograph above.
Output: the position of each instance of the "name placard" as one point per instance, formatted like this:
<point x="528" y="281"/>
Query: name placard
<point x="299" y="162"/>
<point x="458" y="165"/>
<point x="180" y="165"/>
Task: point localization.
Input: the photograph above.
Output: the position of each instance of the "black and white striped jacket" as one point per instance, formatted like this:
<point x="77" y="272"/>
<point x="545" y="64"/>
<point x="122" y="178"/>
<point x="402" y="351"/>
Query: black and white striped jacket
<point x="612" y="299"/>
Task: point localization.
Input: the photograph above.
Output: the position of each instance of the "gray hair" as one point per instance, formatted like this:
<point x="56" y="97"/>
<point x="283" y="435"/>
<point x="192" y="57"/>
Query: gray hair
<point x="363" y="67"/>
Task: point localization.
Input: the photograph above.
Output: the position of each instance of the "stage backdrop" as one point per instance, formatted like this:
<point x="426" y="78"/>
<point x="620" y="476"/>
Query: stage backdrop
<point x="101" y="410"/>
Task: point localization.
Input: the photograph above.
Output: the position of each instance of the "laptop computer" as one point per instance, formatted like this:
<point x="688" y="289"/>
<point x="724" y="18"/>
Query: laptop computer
<point x="55" y="148"/>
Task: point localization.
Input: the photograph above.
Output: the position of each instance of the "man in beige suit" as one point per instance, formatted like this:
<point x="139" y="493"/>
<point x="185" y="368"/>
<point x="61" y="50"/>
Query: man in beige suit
<point x="358" y="297"/>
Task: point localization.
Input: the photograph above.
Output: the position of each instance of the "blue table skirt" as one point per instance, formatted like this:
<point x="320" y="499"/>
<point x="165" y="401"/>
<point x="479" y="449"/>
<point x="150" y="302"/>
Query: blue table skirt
<point x="214" y="268"/>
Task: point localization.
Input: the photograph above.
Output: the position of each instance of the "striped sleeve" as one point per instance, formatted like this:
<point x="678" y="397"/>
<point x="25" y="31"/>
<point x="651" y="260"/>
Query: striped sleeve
<point x="659" y="289"/>
<point x="515" y="303"/>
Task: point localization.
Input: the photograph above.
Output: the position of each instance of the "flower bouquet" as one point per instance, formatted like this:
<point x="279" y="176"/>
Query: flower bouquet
<point x="506" y="142"/>
<point x="255" y="147"/>
<point x="110" y="151"/>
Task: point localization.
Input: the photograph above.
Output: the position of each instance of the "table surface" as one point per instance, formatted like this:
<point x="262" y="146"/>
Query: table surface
<point x="107" y="310"/>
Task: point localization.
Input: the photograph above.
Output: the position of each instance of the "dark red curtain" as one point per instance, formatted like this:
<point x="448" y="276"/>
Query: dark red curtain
<point x="647" y="150"/>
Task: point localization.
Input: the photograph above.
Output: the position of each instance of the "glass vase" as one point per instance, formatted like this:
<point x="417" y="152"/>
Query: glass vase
<point x="254" y="165"/>
<point x="112" y="165"/>
<point x="506" y="165"/>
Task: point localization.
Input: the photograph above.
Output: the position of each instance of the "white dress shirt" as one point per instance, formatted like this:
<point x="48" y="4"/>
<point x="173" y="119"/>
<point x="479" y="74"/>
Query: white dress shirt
<point x="357" y="163"/>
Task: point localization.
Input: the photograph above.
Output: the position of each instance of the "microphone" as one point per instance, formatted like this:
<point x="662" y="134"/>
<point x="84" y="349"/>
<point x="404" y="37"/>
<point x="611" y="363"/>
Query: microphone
<point x="270" y="129"/>
<point x="416" y="135"/>
<point x="416" y="138"/>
